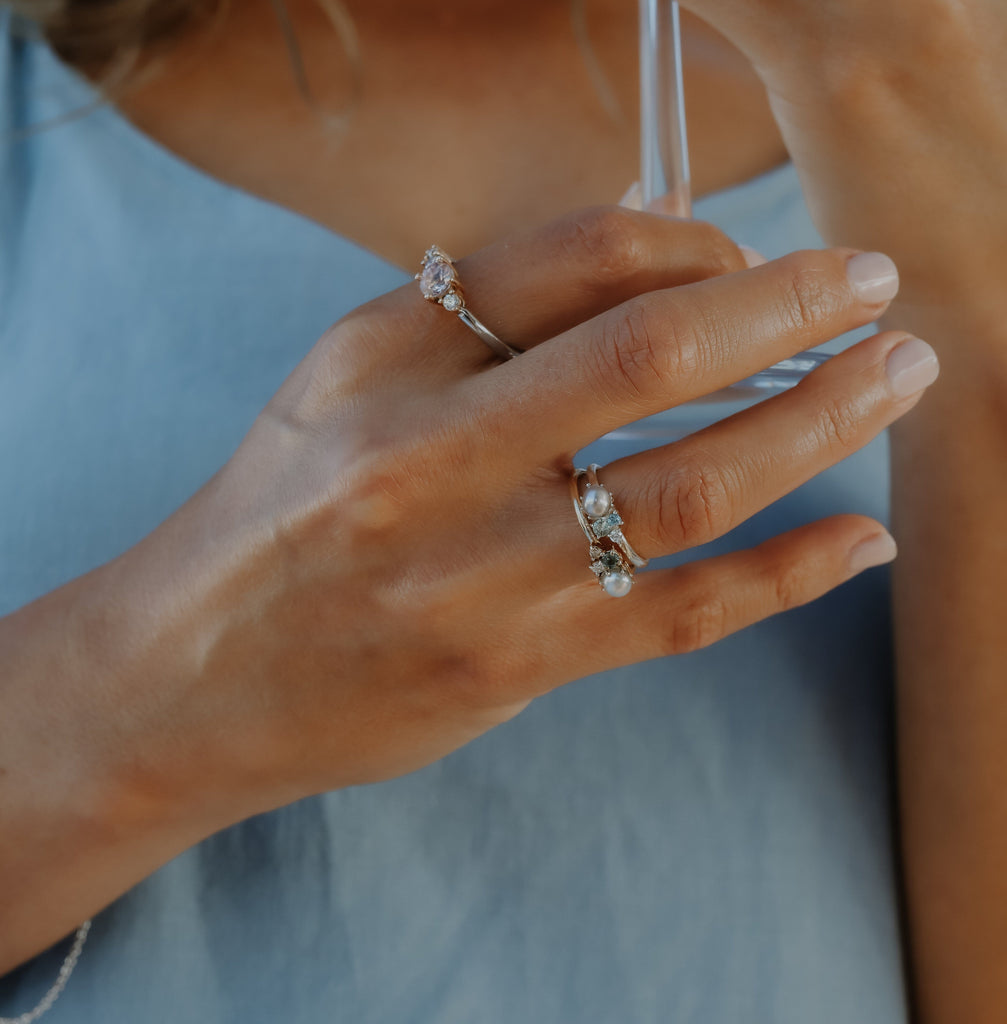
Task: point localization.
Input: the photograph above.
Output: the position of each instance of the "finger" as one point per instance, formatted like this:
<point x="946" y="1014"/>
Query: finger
<point x="674" y="611"/>
<point x="690" y="492"/>
<point x="658" y="350"/>
<point x="544" y="281"/>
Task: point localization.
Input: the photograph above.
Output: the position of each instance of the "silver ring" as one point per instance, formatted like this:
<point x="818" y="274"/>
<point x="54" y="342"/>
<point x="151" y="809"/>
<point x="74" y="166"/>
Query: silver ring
<point x="439" y="283"/>
<point x="613" y="559"/>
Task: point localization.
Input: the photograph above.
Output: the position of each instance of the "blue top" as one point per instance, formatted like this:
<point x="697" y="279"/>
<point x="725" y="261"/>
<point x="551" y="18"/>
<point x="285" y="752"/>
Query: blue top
<point x="702" y="839"/>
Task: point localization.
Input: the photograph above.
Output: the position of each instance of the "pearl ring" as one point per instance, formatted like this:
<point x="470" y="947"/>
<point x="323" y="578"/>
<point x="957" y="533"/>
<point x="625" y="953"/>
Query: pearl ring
<point x="613" y="559"/>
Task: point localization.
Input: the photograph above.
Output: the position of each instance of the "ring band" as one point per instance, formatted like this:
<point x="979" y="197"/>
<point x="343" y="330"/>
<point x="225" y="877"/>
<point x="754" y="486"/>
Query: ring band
<point x="613" y="559"/>
<point x="597" y="491"/>
<point x="438" y="278"/>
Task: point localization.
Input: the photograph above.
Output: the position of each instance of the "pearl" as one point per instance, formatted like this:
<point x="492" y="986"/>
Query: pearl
<point x="617" y="584"/>
<point x="597" y="501"/>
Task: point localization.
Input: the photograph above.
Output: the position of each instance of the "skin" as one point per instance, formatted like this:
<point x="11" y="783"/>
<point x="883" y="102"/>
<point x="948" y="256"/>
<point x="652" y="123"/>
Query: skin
<point x="236" y="585"/>
<point x="414" y="136"/>
<point x="915" y="93"/>
<point x="362" y="465"/>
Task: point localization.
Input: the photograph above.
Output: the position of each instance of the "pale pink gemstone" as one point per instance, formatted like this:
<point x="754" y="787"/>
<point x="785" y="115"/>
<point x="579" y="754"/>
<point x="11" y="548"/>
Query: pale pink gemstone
<point x="436" y="279"/>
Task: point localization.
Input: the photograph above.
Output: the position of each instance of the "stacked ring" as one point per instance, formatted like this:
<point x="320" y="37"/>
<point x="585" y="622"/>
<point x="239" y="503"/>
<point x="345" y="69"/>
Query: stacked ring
<point x="613" y="559"/>
<point x="438" y="278"/>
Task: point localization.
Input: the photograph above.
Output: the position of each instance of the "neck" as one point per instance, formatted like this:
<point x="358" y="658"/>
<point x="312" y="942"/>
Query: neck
<point x="460" y="133"/>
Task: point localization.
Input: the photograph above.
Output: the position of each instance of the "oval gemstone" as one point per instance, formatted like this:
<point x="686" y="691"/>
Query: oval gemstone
<point x="436" y="279"/>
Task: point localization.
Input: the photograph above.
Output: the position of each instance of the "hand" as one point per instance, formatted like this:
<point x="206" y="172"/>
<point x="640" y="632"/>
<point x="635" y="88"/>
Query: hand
<point x="896" y="116"/>
<point x="390" y="564"/>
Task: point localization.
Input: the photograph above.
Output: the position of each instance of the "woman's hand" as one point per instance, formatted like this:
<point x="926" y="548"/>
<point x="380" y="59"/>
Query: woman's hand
<point x="895" y="113"/>
<point x="390" y="564"/>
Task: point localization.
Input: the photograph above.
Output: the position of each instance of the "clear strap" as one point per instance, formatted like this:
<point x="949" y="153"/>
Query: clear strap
<point x="45" y="1003"/>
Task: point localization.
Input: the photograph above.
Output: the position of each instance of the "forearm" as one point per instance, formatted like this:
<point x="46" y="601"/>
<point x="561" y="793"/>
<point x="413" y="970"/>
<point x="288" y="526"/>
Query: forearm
<point x="950" y="518"/>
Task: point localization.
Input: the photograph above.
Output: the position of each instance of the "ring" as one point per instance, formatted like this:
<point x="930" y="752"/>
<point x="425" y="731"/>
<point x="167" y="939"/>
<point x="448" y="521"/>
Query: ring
<point x="613" y="559"/>
<point x="439" y="282"/>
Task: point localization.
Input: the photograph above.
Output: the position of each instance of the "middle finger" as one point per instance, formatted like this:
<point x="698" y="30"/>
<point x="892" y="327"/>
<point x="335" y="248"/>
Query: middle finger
<point x="659" y="350"/>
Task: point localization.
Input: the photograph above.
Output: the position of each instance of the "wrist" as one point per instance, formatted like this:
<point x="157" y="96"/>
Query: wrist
<point x="892" y="160"/>
<point x="72" y="749"/>
<point x="86" y="832"/>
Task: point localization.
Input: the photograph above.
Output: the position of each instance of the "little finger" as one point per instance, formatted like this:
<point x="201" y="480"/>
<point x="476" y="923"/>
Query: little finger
<point x="674" y="611"/>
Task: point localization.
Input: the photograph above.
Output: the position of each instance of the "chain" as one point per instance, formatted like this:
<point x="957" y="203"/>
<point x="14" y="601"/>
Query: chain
<point x="59" y="984"/>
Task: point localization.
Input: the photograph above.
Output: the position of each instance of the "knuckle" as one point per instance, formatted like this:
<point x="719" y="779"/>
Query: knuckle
<point x="697" y="508"/>
<point x="344" y="359"/>
<point x="631" y="351"/>
<point x="812" y="297"/>
<point x="484" y="680"/>
<point x="790" y="586"/>
<point x="702" y="622"/>
<point x="838" y="424"/>
<point x="374" y="498"/>
<point x="720" y="253"/>
<point x="381" y="494"/>
<point x="605" y="241"/>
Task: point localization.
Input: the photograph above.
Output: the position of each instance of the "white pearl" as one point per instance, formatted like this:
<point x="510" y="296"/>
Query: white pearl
<point x="617" y="584"/>
<point x="597" y="501"/>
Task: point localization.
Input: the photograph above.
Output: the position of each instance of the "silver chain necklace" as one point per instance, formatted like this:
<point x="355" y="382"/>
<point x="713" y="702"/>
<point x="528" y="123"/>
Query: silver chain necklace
<point x="59" y="984"/>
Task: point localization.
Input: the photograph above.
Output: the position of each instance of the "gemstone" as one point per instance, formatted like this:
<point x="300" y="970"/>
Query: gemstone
<point x="597" y="501"/>
<point x="617" y="584"/>
<point x="607" y="562"/>
<point x="609" y="524"/>
<point x="452" y="301"/>
<point x="436" y="279"/>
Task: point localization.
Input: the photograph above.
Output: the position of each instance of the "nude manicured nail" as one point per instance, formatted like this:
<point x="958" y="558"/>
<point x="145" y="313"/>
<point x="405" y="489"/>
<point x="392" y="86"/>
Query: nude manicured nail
<point x="753" y="257"/>
<point x="876" y="550"/>
<point x="911" y="367"/>
<point x="873" y="277"/>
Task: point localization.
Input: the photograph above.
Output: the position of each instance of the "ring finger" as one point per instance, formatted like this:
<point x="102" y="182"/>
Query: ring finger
<point x="690" y="492"/>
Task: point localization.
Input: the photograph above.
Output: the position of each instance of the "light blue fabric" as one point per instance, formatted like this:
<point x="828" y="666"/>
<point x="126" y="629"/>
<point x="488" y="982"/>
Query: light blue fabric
<point x="707" y="839"/>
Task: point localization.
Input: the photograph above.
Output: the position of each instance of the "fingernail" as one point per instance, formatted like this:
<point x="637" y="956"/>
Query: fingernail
<point x="911" y="367"/>
<point x="753" y="257"/>
<point x="633" y="199"/>
<point x="873" y="276"/>
<point x="877" y="550"/>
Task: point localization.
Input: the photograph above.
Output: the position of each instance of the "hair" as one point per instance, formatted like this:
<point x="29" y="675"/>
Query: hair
<point x="107" y="38"/>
